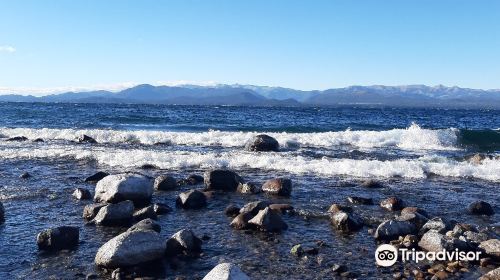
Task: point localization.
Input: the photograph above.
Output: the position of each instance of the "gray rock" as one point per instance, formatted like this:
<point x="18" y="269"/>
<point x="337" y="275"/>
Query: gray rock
<point x="161" y="208"/>
<point x="145" y="213"/>
<point x="82" y="194"/>
<point x="226" y="271"/>
<point x="130" y="248"/>
<point x="86" y="139"/>
<point x="120" y="187"/>
<point x="481" y="208"/>
<point x="241" y="221"/>
<point x="254" y="207"/>
<point x="184" y="241"/>
<point x="433" y="241"/>
<point x="165" y="183"/>
<point x="224" y="180"/>
<point x="268" y="220"/>
<point x="91" y="210"/>
<point x="491" y="275"/>
<point x="248" y="188"/>
<point x="334" y="208"/>
<point x="192" y="199"/>
<point x="96" y="177"/>
<point x="392" y="204"/>
<point x="346" y="222"/>
<point x="393" y="229"/>
<point x="58" y="238"/>
<point x="413" y="210"/>
<point x="115" y="214"/>
<point x="491" y="247"/>
<point x="474" y="238"/>
<point x="278" y="186"/>
<point x="146" y="224"/>
<point x="263" y="143"/>
<point x="415" y="218"/>
<point x="436" y="224"/>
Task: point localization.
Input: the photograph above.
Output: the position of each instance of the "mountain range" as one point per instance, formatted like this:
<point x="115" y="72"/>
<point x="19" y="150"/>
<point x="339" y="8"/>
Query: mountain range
<point x="249" y="95"/>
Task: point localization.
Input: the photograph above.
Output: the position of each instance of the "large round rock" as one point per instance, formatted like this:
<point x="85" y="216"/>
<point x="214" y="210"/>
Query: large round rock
<point x="131" y="248"/>
<point x="263" y="143"/>
<point x="278" y="186"/>
<point x="224" y="180"/>
<point x="120" y="187"/>
<point x="58" y="238"/>
<point x="226" y="271"/>
<point x="192" y="199"/>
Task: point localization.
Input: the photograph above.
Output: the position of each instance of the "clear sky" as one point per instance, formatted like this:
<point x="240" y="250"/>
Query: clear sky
<point x="298" y="44"/>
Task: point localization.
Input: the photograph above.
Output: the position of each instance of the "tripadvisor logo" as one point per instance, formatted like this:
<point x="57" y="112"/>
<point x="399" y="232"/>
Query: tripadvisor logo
<point x="387" y="255"/>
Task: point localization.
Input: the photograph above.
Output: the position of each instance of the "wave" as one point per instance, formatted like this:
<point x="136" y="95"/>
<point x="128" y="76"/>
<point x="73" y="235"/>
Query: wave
<point x="422" y="167"/>
<point x="484" y="140"/>
<point x="411" y="138"/>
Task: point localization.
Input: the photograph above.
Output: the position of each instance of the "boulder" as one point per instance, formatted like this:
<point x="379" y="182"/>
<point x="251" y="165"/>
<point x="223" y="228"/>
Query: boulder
<point x="96" y="177"/>
<point x="474" y="238"/>
<point x="86" y="139"/>
<point x="492" y="275"/>
<point x="278" y="186"/>
<point x="120" y="187"/>
<point x="481" y="208"/>
<point x="268" y="220"/>
<point x="58" y="238"/>
<point x="17" y="138"/>
<point x="145" y="213"/>
<point x="38" y="140"/>
<point x="224" y="180"/>
<point x="2" y="213"/>
<point x="360" y="200"/>
<point x="184" y="241"/>
<point x="241" y="221"/>
<point x="165" y="183"/>
<point x="346" y="222"/>
<point x="415" y="218"/>
<point x="263" y="143"/>
<point x="392" y="204"/>
<point x="393" y="229"/>
<point x="254" y="207"/>
<point x="131" y="248"/>
<point x="226" y="271"/>
<point x="81" y="194"/>
<point x="194" y="179"/>
<point x="161" y="208"/>
<point x="437" y="224"/>
<point x="232" y="210"/>
<point x="491" y="248"/>
<point x="115" y="214"/>
<point x="372" y="184"/>
<point x="433" y="241"/>
<point x="146" y="224"/>
<point x="248" y="188"/>
<point x="91" y="210"/>
<point x="413" y="210"/>
<point x="192" y="199"/>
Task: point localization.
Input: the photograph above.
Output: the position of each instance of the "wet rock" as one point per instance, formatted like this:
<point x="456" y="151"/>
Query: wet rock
<point x="184" y="241"/>
<point x="492" y="275"/>
<point x="338" y="268"/>
<point x="195" y="179"/>
<point x="254" y="207"/>
<point x="146" y="224"/>
<point x="25" y="175"/>
<point x="58" y="238"/>
<point x="145" y="213"/>
<point x="161" y="208"/>
<point x="346" y="222"/>
<point x="436" y="224"/>
<point x="433" y="241"/>
<point x="91" y="210"/>
<point x="118" y="274"/>
<point x="360" y="200"/>
<point x="413" y="210"/>
<point x="165" y="183"/>
<point x="38" y="140"/>
<point x="268" y="220"/>
<point x="226" y="271"/>
<point x="192" y="199"/>
<point x="281" y="207"/>
<point x="491" y="248"/>
<point x="86" y="139"/>
<point x="148" y="166"/>
<point x="392" y="204"/>
<point x="410" y="241"/>
<point x="415" y="218"/>
<point x="372" y="184"/>
<point x="133" y="247"/>
<point x="334" y="208"/>
<point x="120" y="187"/>
<point x="232" y="210"/>
<point x="263" y="143"/>
<point x="224" y="180"/>
<point x="115" y="214"/>
<point x="481" y="208"/>
<point x="96" y="177"/>
<point x="241" y="221"/>
<point x="460" y="229"/>
<point x="81" y="194"/>
<point x="297" y="250"/>
<point x="278" y="186"/>
<point x="393" y="229"/>
<point x="248" y="188"/>
<point x="17" y="138"/>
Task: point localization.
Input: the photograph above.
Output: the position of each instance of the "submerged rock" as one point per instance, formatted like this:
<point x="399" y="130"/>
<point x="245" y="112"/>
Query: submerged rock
<point x="131" y="248"/>
<point x="248" y="188"/>
<point x="278" y="186"/>
<point x="192" y="199"/>
<point x="91" y="210"/>
<point x="360" y="200"/>
<point x="481" y="208"/>
<point x="115" y="214"/>
<point x="224" y="180"/>
<point x="346" y="222"/>
<point x="120" y="187"/>
<point x="392" y="203"/>
<point x="184" y="241"/>
<point x="86" y="139"/>
<point x="263" y="143"/>
<point x="145" y="213"/>
<point x="226" y="271"/>
<point x="372" y="184"/>
<point x="25" y="175"/>
<point x="268" y="220"/>
<point x="281" y="207"/>
<point x="58" y="238"/>
<point x="17" y="138"/>
<point x="146" y="224"/>
<point x="161" y="208"/>
<point x="81" y="194"/>
<point x="393" y="229"/>
<point x="165" y="183"/>
<point x="96" y="177"/>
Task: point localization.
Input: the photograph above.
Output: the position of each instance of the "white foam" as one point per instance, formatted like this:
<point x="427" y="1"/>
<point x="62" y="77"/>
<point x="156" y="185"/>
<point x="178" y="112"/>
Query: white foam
<point x="412" y="138"/>
<point x="489" y="169"/>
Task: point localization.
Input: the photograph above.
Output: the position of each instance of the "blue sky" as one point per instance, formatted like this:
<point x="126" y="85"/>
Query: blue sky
<point x="298" y="44"/>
